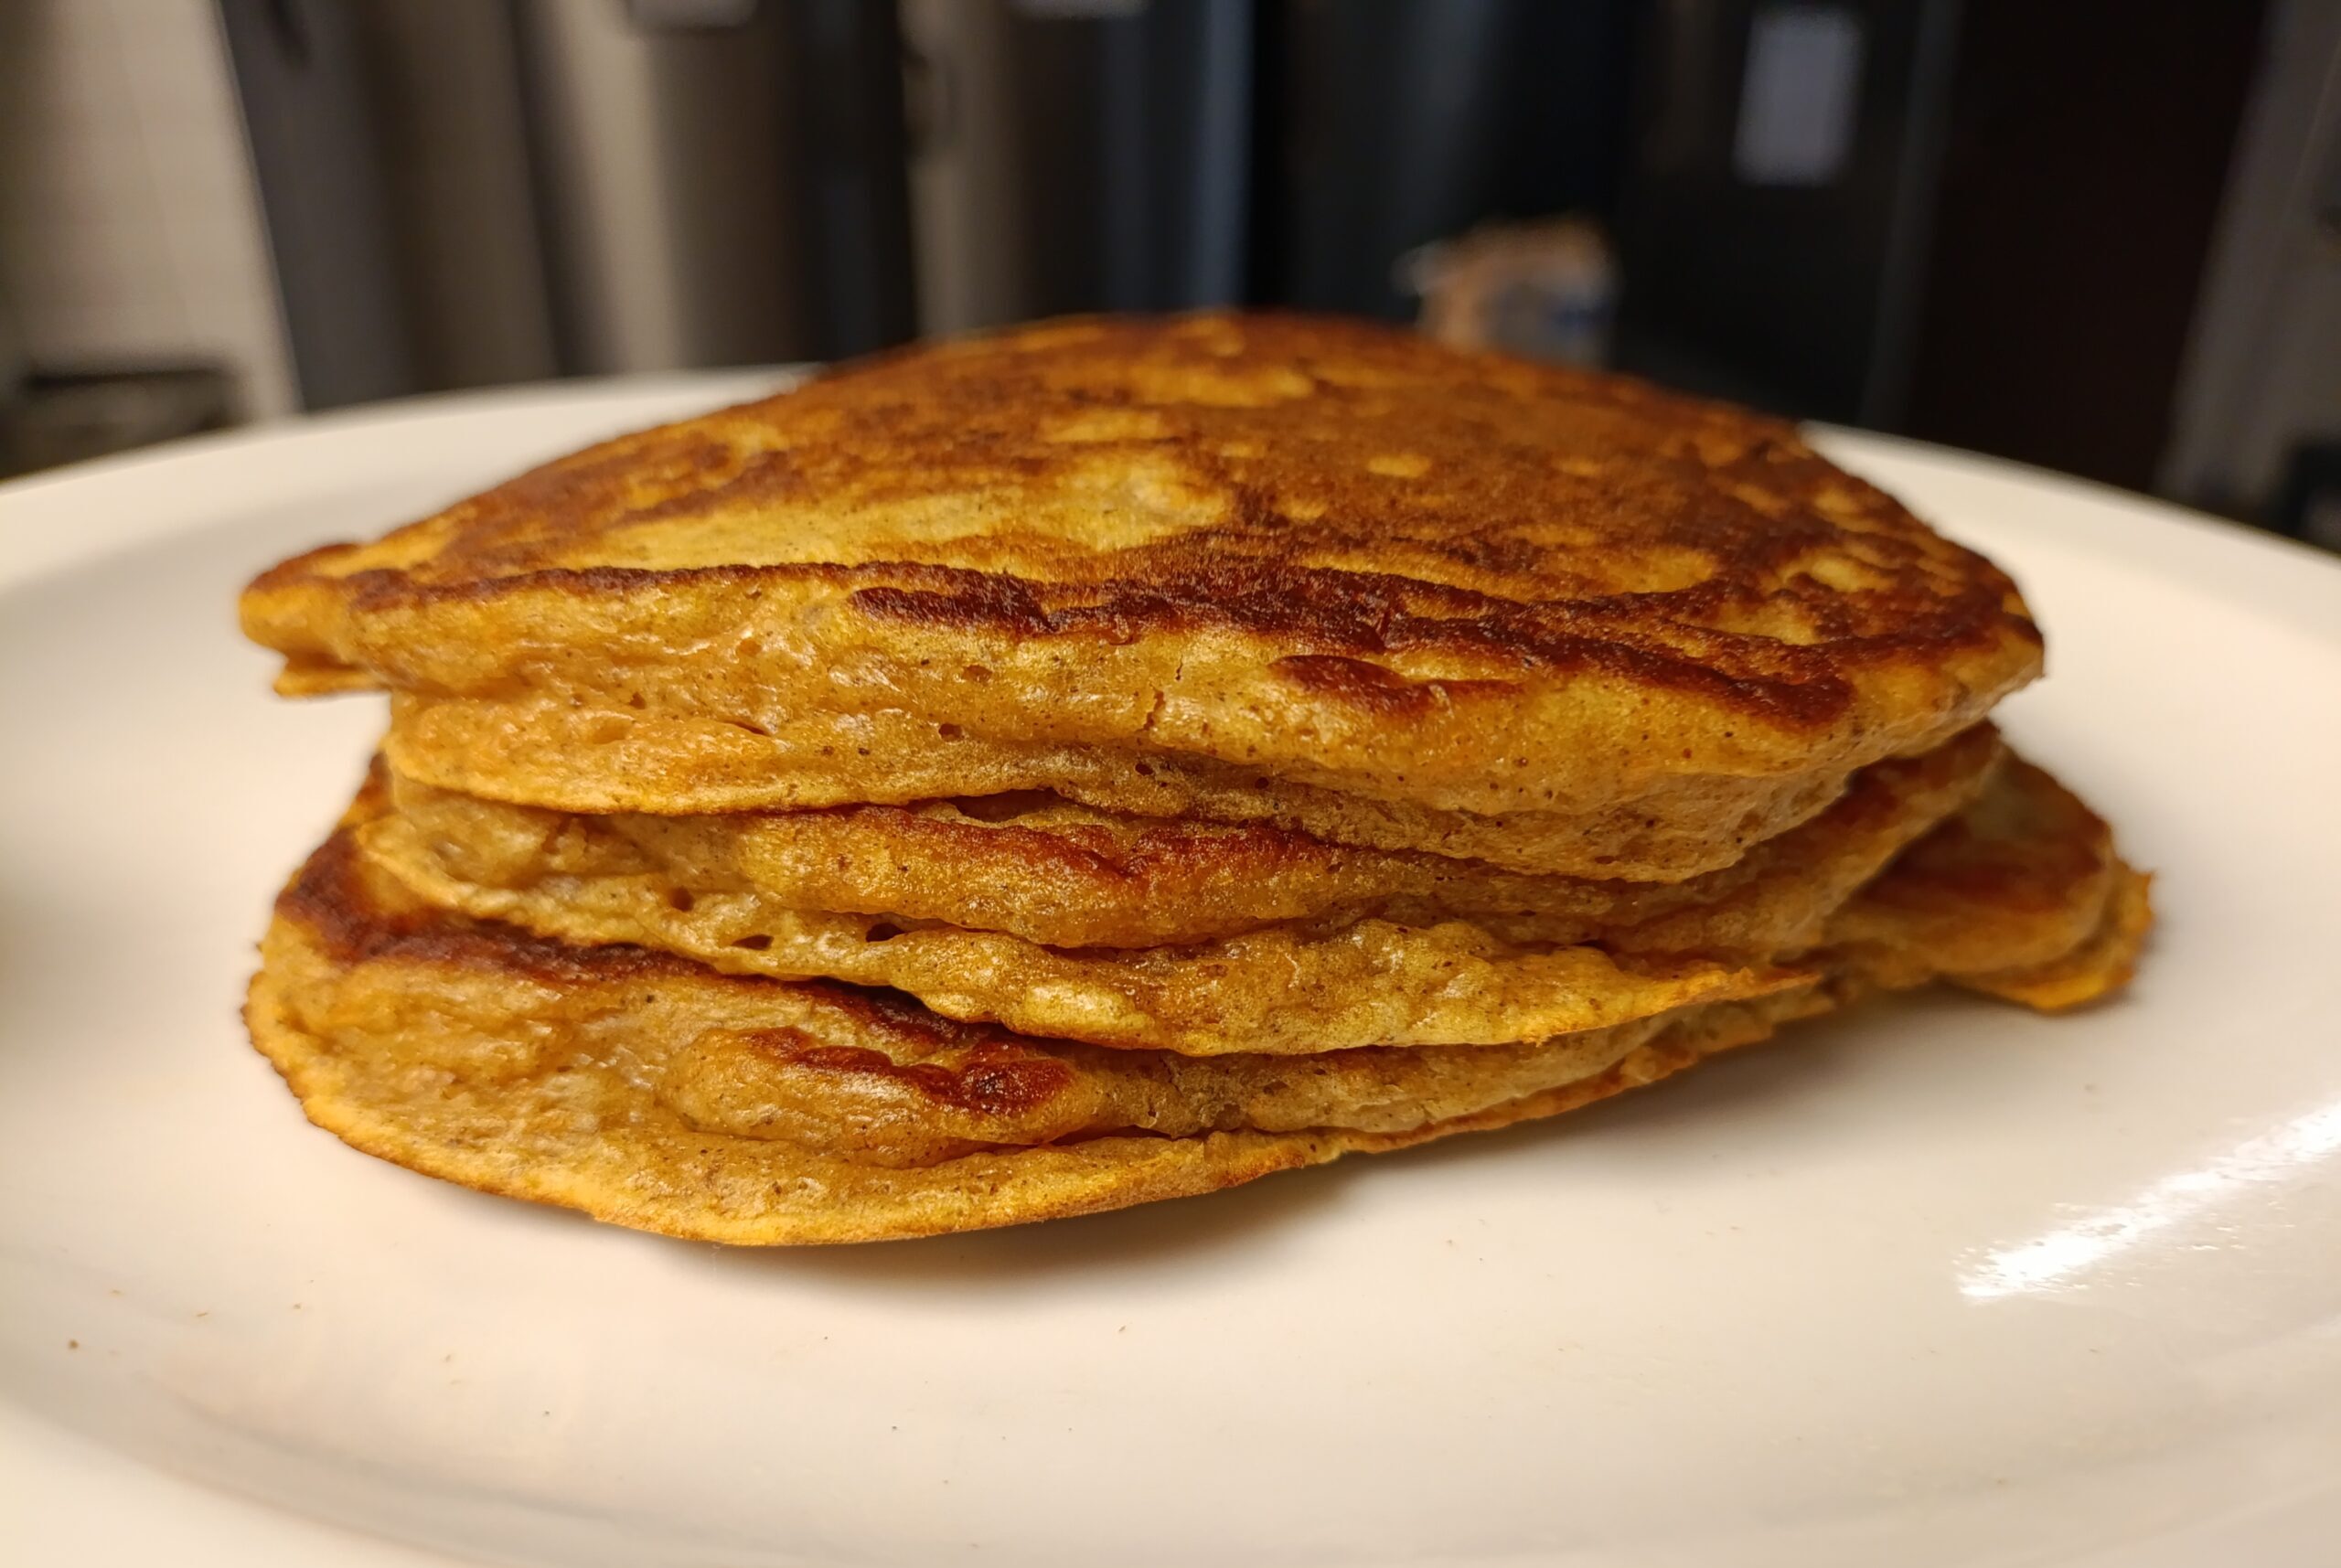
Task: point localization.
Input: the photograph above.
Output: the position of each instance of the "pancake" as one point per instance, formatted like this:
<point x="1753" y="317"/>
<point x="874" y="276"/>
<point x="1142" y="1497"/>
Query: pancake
<point x="2022" y="895"/>
<point x="853" y="1070"/>
<point x="548" y="752"/>
<point x="651" y="1092"/>
<point x="1366" y="981"/>
<point x="589" y="1139"/>
<point x="1291" y="554"/>
<point x="1283" y="990"/>
<point x="2104" y="961"/>
<point x="1039" y="867"/>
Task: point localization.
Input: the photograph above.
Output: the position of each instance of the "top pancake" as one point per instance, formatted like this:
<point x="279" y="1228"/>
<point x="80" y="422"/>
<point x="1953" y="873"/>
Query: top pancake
<point x="1323" y="552"/>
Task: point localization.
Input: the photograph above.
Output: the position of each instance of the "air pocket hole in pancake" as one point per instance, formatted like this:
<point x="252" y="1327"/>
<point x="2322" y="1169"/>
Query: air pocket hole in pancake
<point x="1006" y="805"/>
<point x="882" y="932"/>
<point x="755" y="943"/>
<point x="679" y="900"/>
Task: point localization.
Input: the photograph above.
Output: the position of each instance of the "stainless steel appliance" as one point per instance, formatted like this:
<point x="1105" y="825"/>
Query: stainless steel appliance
<point x="463" y="192"/>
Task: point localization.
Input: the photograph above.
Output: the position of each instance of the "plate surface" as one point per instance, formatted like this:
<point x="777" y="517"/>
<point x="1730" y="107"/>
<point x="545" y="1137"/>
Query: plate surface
<point x="1938" y="1282"/>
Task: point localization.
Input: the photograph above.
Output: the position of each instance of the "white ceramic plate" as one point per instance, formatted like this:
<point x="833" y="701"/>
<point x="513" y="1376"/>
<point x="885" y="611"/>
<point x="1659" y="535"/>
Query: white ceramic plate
<point x="1938" y="1282"/>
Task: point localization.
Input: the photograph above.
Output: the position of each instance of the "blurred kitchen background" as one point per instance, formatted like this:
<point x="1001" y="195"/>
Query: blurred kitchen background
<point x="2104" y="235"/>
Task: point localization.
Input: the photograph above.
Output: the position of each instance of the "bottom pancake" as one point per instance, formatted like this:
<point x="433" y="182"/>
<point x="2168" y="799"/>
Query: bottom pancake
<point x="589" y="1139"/>
<point x="651" y="1092"/>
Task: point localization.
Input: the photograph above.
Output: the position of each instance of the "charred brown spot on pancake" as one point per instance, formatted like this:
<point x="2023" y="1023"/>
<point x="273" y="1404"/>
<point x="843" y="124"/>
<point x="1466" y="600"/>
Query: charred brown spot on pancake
<point x="1379" y="690"/>
<point x="989" y="1079"/>
<point x="327" y="898"/>
<point x="349" y="915"/>
<point x="900" y="1018"/>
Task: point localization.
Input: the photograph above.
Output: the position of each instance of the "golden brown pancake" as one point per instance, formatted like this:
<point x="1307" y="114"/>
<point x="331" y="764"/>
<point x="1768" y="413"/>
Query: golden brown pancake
<point x="1285" y="554"/>
<point x="1286" y="990"/>
<point x="651" y="1092"/>
<point x="1329" y="983"/>
<point x="2025" y="878"/>
<point x="589" y="1139"/>
<point x="863" y="1073"/>
<point x="548" y="752"/>
<point x="1040" y="868"/>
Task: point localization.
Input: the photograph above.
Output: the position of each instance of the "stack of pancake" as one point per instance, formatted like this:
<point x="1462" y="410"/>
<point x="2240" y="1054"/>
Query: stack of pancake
<point x="1116" y="758"/>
